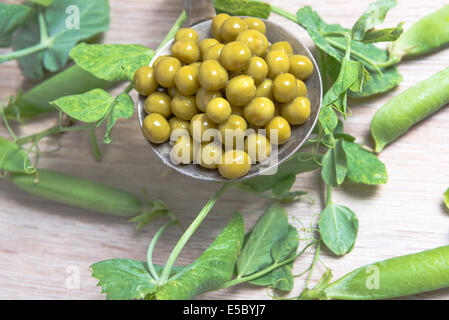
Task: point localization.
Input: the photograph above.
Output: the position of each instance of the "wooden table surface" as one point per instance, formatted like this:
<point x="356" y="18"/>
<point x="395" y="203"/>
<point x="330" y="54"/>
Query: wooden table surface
<point x="44" y="244"/>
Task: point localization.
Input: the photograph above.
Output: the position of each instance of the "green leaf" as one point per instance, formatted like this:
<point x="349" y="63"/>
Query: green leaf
<point x="315" y="26"/>
<point x="243" y="8"/>
<point x="35" y="102"/>
<point x="111" y="61"/>
<point x="384" y="35"/>
<point x="363" y="166"/>
<point x="87" y="107"/>
<point x="272" y="240"/>
<point x="12" y="157"/>
<point x="299" y="163"/>
<point x="12" y="17"/>
<point x="256" y="253"/>
<point x="281" y="190"/>
<point x="335" y="165"/>
<point x="45" y="3"/>
<point x="124" y="279"/>
<point x="214" y="267"/>
<point x="374" y="15"/>
<point x="286" y="247"/>
<point x="338" y="227"/>
<point x="63" y="31"/>
<point x="328" y="119"/>
<point x="280" y="278"/>
<point x="446" y="198"/>
<point x="158" y="209"/>
<point x="351" y="77"/>
<point x="123" y="108"/>
<point x="377" y="82"/>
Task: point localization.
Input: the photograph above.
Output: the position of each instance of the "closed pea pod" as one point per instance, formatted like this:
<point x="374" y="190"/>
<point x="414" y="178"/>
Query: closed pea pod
<point x="79" y="192"/>
<point x="397" y="277"/>
<point x="408" y="108"/>
<point x="425" y="36"/>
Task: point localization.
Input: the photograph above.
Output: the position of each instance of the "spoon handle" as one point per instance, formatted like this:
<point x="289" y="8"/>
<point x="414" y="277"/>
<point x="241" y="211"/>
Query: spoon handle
<point x="198" y="10"/>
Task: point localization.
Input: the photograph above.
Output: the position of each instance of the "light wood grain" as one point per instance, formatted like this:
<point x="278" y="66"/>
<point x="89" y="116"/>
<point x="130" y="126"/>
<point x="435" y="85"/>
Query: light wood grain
<point x="39" y="240"/>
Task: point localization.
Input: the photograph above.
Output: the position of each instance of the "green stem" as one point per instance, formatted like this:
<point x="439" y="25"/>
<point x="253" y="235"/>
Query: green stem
<point x="94" y="144"/>
<point x="182" y="17"/>
<point x="153" y="245"/>
<point x="24" y="52"/>
<point x="42" y="27"/>
<point x="189" y="232"/>
<point x="369" y="61"/>
<point x="264" y="271"/>
<point x="392" y="61"/>
<point x="328" y="194"/>
<point x="284" y="13"/>
<point x="315" y="259"/>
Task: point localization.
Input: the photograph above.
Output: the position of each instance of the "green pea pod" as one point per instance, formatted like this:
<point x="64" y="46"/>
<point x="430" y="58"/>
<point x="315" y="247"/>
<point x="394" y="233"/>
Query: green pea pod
<point x="79" y="192"/>
<point x="408" y="108"/>
<point x="73" y="80"/>
<point x="427" y="35"/>
<point x="397" y="277"/>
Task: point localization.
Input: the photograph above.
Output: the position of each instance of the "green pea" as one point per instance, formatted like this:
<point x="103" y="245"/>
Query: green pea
<point x="73" y="80"/>
<point x="79" y="192"/>
<point x="397" y="277"/>
<point x="408" y="108"/>
<point x="425" y="36"/>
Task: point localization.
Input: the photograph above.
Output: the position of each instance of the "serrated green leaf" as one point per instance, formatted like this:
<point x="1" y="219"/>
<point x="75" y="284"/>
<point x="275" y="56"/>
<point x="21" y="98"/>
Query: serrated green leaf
<point x="63" y="31"/>
<point x="111" y="61"/>
<point x="299" y="163"/>
<point x="87" y="107"/>
<point x="446" y="198"/>
<point x="338" y="228"/>
<point x="159" y="209"/>
<point x="123" y="108"/>
<point x="214" y="267"/>
<point x="256" y="253"/>
<point x="374" y="15"/>
<point x="124" y="279"/>
<point x="12" y="157"/>
<point x="363" y="166"/>
<point x="12" y="17"/>
<point x="243" y="8"/>
<point x="315" y="26"/>
<point x="335" y="165"/>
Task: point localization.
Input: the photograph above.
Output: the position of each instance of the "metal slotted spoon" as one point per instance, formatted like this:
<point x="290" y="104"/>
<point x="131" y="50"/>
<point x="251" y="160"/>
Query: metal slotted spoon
<point x="199" y="18"/>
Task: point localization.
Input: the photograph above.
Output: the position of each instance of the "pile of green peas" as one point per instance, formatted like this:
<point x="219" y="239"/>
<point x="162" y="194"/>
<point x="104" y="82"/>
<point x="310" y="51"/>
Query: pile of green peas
<point x="231" y="83"/>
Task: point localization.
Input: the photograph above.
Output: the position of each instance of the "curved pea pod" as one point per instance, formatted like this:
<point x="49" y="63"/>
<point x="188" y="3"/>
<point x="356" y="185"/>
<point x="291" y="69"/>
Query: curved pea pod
<point x="73" y="80"/>
<point x="427" y="35"/>
<point x="397" y="277"/>
<point x="79" y="192"/>
<point x="408" y="108"/>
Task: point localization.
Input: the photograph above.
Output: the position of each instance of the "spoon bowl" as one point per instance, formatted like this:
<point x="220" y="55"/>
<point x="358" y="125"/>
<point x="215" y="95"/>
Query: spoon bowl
<point x="300" y="133"/>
